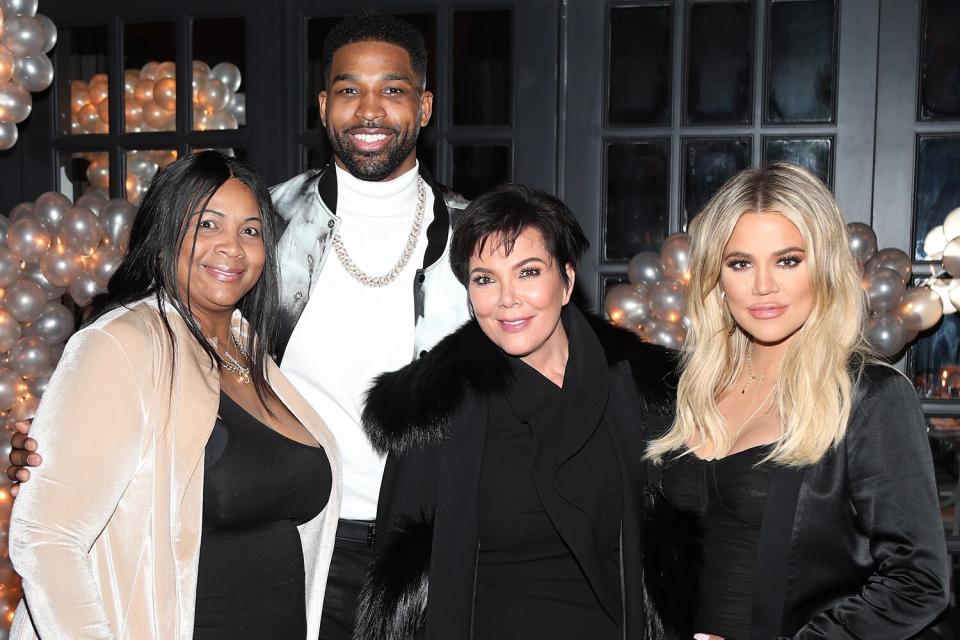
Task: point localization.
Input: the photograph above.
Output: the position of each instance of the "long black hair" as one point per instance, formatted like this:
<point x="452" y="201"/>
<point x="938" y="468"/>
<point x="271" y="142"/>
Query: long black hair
<point x="158" y="231"/>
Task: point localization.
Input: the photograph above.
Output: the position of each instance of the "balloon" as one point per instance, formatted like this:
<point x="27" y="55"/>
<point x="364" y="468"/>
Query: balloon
<point x="884" y="288"/>
<point x="9" y="268"/>
<point x="221" y="120"/>
<point x="49" y="32"/>
<point x="49" y="209"/>
<point x="34" y="72"/>
<point x="951" y="257"/>
<point x="143" y="93"/>
<point x="8" y="63"/>
<point x="25" y="409"/>
<point x="38" y="386"/>
<point x="130" y="79"/>
<point x="22" y="210"/>
<point x="83" y="290"/>
<point x="103" y="110"/>
<point x="88" y="117"/>
<point x="20" y="7"/>
<point x="15" y="103"/>
<point x="25" y="300"/>
<point x="951" y="224"/>
<point x="201" y="121"/>
<point x="32" y="272"/>
<point x="92" y="201"/>
<point x="644" y="268"/>
<point x="79" y="95"/>
<point x="31" y="357"/>
<point x="891" y="258"/>
<point x="665" y="334"/>
<point x="201" y="71"/>
<point x="8" y="135"/>
<point x="98" y="173"/>
<point x="80" y="230"/>
<point x="9" y="331"/>
<point x="156" y="116"/>
<point x="238" y="107"/>
<point x="628" y="305"/>
<point x="28" y="239"/>
<point x="142" y="166"/>
<point x="99" y="88"/>
<point x="9" y="380"/>
<point x="149" y="71"/>
<point x="954" y="293"/>
<point x="862" y="241"/>
<point x="942" y="288"/>
<point x="133" y="188"/>
<point x="228" y="74"/>
<point x="675" y="257"/>
<point x="165" y="93"/>
<point x="101" y="265"/>
<point x="55" y="324"/>
<point x="885" y="332"/>
<point x="212" y="96"/>
<point x="666" y="301"/>
<point x="23" y="35"/>
<point x="115" y="220"/>
<point x="920" y="309"/>
<point x="166" y="69"/>
<point x="934" y="243"/>
<point x="62" y="266"/>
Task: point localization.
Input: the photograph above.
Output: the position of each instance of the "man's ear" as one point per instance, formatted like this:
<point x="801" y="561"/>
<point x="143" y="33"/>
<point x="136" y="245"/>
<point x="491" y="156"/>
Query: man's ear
<point x="322" y="99"/>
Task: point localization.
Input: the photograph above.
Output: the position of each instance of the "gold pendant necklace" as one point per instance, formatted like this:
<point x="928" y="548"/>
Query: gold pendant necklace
<point x="232" y="365"/>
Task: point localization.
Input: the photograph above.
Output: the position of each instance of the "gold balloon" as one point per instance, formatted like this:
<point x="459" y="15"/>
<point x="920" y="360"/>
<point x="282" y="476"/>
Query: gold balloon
<point x="98" y="173"/>
<point x="165" y="93"/>
<point x="132" y="113"/>
<point x="7" y="63"/>
<point x="143" y="92"/>
<point x="103" y="110"/>
<point x="166" y="70"/>
<point x="130" y="80"/>
<point x="156" y="116"/>
<point x="88" y="117"/>
<point x="98" y="90"/>
<point x="79" y="95"/>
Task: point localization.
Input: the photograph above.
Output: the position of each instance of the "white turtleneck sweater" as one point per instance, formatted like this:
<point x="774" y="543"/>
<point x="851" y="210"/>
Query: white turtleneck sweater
<point x="349" y="333"/>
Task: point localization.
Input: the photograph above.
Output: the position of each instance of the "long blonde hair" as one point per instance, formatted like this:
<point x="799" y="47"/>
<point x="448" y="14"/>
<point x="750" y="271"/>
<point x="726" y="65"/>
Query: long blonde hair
<point x="815" y="376"/>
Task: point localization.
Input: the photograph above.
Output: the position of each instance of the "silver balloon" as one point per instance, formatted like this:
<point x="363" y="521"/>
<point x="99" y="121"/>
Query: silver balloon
<point x="38" y="386"/>
<point x="645" y="268"/>
<point x="25" y="409"/>
<point x="20" y="7"/>
<point x="884" y="289"/>
<point x="675" y="257"/>
<point x="142" y="166"/>
<point x="102" y="264"/>
<point x="221" y="121"/>
<point x="238" y="107"/>
<point x="9" y="381"/>
<point x="80" y="230"/>
<point x="49" y="209"/>
<point x="628" y="305"/>
<point x="83" y="290"/>
<point x="62" y="266"/>
<point x="666" y="301"/>
<point x="22" y="210"/>
<point x="895" y="259"/>
<point x="9" y="267"/>
<point x="920" y="309"/>
<point x="31" y="357"/>
<point x="149" y="71"/>
<point x="34" y="72"/>
<point x="115" y="220"/>
<point x="228" y="74"/>
<point x="8" y="135"/>
<point x="15" y="103"/>
<point x="951" y="257"/>
<point x="56" y="351"/>
<point x="32" y="272"/>
<point x="10" y="331"/>
<point x="213" y="96"/>
<point x="201" y="72"/>
<point x="885" y="332"/>
<point x="862" y="241"/>
<point x="56" y="323"/>
<point x="23" y="35"/>
<point x="25" y="300"/>
<point x="92" y="201"/>
<point x="49" y="32"/>
<point x="28" y="239"/>
<point x="665" y="334"/>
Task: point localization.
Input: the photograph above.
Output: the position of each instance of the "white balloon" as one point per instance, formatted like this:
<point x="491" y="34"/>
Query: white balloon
<point x="951" y="224"/>
<point x="8" y="135"/>
<point x="49" y="32"/>
<point x="228" y="74"/>
<point x="20" y="7"/>
<point x="943" y="289"/>
<point x="935" y="242"/>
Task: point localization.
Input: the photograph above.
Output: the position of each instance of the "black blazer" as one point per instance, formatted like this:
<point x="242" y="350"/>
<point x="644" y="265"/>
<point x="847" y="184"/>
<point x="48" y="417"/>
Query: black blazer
<point x="431" y="417"/>
<point x="853" y="547"/>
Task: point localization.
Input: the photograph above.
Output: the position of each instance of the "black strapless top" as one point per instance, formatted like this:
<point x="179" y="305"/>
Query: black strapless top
<point x="729" y="498"/>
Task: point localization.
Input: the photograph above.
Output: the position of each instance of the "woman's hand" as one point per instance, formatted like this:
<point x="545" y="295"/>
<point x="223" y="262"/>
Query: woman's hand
<point x="22" y="455"/>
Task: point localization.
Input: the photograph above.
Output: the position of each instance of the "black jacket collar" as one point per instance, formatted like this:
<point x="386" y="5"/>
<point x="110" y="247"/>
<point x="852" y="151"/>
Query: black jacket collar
<point x="411" y="407"/>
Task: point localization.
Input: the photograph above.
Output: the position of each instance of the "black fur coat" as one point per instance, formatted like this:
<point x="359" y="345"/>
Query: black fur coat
<point x="430" y="418"/>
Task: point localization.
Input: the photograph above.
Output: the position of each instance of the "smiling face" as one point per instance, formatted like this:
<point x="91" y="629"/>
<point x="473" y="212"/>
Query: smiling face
<point x="765" y="278"/>
<point x="373" y="109"/>
<point x="228" y="257"/>
<point x="517" y="297"/>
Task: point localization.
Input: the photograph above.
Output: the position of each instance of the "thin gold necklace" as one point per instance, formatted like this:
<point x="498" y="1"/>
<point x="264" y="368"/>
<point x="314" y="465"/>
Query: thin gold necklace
<point x="751" y="378"/>
<point x="233" y="365"/>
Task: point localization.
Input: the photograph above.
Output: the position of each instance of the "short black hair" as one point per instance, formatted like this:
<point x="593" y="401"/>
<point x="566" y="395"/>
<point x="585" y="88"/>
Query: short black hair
<point x="503" y="213"/>
<point x="366" y="27"/>
<point x="160" y="227"/>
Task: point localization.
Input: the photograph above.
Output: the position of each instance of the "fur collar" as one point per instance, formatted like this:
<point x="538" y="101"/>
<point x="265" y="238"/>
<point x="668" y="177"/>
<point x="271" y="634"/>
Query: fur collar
<point x="411" y="407"/>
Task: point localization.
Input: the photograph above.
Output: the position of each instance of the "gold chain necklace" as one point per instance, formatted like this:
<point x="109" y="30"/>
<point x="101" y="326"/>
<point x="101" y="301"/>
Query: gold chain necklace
<point x="751" y="378"/>
<point x="232" y="365"/>
<point x="389" y="276"/>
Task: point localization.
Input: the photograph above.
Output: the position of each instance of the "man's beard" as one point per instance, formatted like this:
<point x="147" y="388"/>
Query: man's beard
<point x="378" y="165"/>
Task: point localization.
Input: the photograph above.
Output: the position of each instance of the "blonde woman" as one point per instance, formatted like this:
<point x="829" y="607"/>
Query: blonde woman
<point x="803" y="462"/>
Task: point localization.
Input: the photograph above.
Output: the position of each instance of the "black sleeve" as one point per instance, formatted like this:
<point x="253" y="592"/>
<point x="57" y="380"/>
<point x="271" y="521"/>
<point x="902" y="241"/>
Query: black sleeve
<point x="889" y="471"/>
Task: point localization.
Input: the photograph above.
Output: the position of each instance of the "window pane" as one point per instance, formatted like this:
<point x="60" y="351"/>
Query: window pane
<point x="142" y="167"/>
<point x="150" y="101"/>
<point x="637" y="208"/>
<point x="477" y="168"/>
<point x="219" y="46"/>
<point x="640" y="65"/>
<point x="815" y="154"/>
<point x="75" y="173"/>
<point x="707" y="164"/>
<point x="935" y="360"/>
<point x="720" y="63"/>
<point x="940" y="60"/>
<point x="801" y="62"/>
<point x="81" y="58"/>
<point x="937" y="188"/>
<point x="482" y="79"/>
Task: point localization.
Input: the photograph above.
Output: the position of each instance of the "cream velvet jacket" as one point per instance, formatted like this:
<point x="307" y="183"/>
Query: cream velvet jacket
<point x="106" y="534"/>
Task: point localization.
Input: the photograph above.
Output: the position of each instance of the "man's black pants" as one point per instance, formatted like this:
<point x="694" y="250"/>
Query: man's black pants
<point x="352" y="555"/>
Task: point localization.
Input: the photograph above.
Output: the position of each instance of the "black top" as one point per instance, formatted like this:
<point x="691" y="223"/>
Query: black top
<point x="529" y="583"/>
<point x="729" y="498"/>
<point x="258" y="486"/>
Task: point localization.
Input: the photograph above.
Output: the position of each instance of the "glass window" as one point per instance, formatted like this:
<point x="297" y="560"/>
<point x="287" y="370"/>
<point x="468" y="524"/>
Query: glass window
<point x="81" y="58"/>
<point x="640" y="64"/>
<point x="815" y="154"/>
<point x="482" y="77"/>
<point x="707" y="164"/>
<point x="478" y="167"/>
<point x="937" y="188"/>
<point x="75" y="173"/>
<point x="801" y="62"/>
<point x="637" y="207"/>
<point x="150" y="103"/>
<point x="940" y="60"/>
<point x="719" y="68"/>
<point x="142" y="166"/>
<point x="219" y="46"/>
